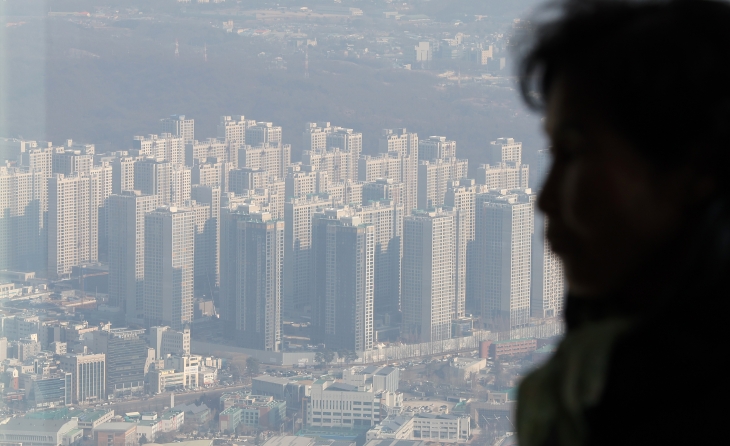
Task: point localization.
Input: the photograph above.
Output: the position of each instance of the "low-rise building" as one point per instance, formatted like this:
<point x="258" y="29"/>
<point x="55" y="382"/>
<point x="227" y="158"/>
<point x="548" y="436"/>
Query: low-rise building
<point x="285" y="389"/>
<point x="229" y="419"/>
<point x="172" y="420"/>
<point x="91" y="419"/>
<point x="116" y="434"/>
<point x="339" y="404"/>
<point x="463" y="368"/>
<point x="512" y="347"/>
<point x="423" y="427"/>
<point x="196" y="413"/>
<point x="40" y="432"/>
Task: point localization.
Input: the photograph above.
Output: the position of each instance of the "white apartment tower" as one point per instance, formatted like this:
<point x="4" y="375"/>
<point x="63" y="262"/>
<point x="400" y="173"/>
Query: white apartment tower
<point x="548" y="287"/>
<point x="429" y="264"/>
<point x="207" y="237"/>
<point x="405" y="145"/>
<point x="260" y="280"/>
<point x="298" y="213"/>
<point x="383" y="189"/>
<point x="178" y="126"/>
<point x="350" y="285"/>
<point x="68" y="224"/>
<point x="165" y="146"/>
<point x="505" y="149"/>
<point x="434" y="177"/>
<point x="22" y="232"/>
<point x="169" y="261"/>
<point x="436" y="147"/>
<point x="503" y="243"/>
<point x="123" y="173"/>
<point x="350" y="142"/>
<point x="273" y="158"/>
<point x="126" y="217"/>
<point x="170" y="181"/>
<point x="73" y="219"/>
<point x="460" y="198"/>
<point x="263" y="133"/>
<point x="233" y="130"/>
<point x="315" y="136"/>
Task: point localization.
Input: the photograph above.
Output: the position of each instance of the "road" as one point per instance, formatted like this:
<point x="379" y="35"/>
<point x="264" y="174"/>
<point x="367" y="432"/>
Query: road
<point x="159" y="402"/>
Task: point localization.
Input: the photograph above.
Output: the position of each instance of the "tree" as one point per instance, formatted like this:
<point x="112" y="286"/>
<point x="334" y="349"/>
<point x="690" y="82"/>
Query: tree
<point x="252" y="365"/>
<point x="324" y="357"/>
<point x="143" y="439"/>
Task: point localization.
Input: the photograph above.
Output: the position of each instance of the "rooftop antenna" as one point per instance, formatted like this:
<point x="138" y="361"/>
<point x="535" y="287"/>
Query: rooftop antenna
<point x="177" y="49"/>
<point x="306" y="61"/>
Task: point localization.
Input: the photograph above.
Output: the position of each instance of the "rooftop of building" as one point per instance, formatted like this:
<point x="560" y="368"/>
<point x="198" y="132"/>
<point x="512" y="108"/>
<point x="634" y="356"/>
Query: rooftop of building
<point x="342" y="387"/>
<point x="115" y="426"/>
<point x="289" y="440"/>
<point x="393" y="442"/>
<point x="185" y="443"/>
<point x="385" y="371"/>
<point x="510" y="341"/>
<point x="195" y="409"/>
<point x="435" y="416"/>
<point x="34" y="424"/>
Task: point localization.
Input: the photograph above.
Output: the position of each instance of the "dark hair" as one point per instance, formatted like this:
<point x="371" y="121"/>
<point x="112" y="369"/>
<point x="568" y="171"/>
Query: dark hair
<point x="660" y="69"/>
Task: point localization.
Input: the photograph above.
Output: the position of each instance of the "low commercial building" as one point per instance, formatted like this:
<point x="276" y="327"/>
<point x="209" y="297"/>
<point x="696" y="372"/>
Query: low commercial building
<point x="423" y="427"/>
<point x="40" y="432"/>
<point x="514" y="347"/>
<point x="229" y="419"/>
<point x="285" y="389"/>
<point x="463" y="368"/>
<point x="91" y="419"/>
<point x="339" y="404"/>
<point x="196" y="413"/>
<point x="172" y="420"/>
<point x="116" y="434"/>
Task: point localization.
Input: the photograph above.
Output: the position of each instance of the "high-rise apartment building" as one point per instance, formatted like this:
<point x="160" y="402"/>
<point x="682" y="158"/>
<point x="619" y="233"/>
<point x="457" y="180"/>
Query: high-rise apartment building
<point x="263" y="133"/>
<point x="344" y="281"/>
<point x="350" y="142"/>
<point x="298" y="213"/>
<point x="434" y="177"/>
<point x="405" y="146"/>
<point x="335" y="162"/>
<point x="383" y="189"/>
<point x="233" y="130"/>
<point x="504" y="224"/>
<point x="548" y="285"/>
<point x="314" y="137"/>
<point x="428" y="284"/>
<point x="245" y="179"/>
<point x="172" y="182"/>
<point x="88" y="376"/>
<point x="274" y="158"/>
<point x="197" y="152"/>
<point x="504" y="175"/>
<point x="178" y="126"/>
<point x="505" y="150"/>
<point x="169" y="265"/>
<point x="259" y="281"/>
<point x="126" y="213"/>
<point x="461" y="199"/>
<point x="436" y="147"/>
<point x="69" y="162"/>
<point x="22" y="231"/>
<point x="73" y="219"/>
<point x="165" y="146"/>
<point x="206" y="208"/>
<point x="123" y="173"/>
